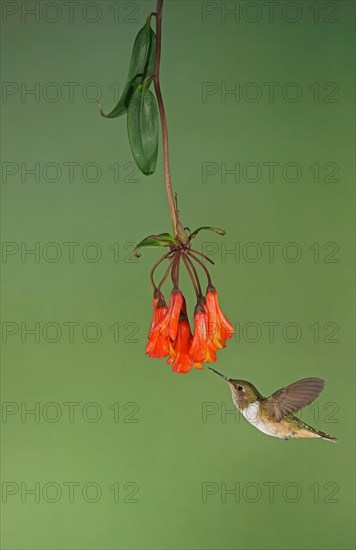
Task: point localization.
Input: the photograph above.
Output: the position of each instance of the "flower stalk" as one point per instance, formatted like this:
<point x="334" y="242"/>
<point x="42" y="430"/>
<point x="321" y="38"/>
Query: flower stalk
<point x="162" y="113"/>
<point x="169" y="334"/>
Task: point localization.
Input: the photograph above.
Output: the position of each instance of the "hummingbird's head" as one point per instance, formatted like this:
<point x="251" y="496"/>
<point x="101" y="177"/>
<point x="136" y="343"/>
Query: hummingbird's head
<point x="243" y="393"/>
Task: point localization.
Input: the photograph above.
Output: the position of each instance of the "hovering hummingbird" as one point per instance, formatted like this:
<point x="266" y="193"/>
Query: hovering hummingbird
<point x="273" y="415"/>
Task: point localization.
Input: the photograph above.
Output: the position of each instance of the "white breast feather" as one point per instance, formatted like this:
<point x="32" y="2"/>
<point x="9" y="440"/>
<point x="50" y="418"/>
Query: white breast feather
<point x="251" y="413"/>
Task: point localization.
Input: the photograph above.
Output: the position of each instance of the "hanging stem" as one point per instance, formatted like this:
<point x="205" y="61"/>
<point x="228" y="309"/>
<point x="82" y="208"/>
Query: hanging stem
<point x="201" y="254"/>
<point x="155" y="267"/>
<point x="167" y="176"/>
<point x="192" y="266"/>
<point x="175" y="270"/>
<point x="191" y="275"/>
<point x="165" y="275"/>
<point x="203" y="266"/>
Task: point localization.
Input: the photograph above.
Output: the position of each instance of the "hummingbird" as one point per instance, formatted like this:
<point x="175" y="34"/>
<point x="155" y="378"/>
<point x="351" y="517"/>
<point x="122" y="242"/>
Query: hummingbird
<point x="273" y="415"/>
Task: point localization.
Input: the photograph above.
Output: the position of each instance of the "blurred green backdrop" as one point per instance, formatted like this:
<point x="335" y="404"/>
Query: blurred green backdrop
<point x="120" y="453"/>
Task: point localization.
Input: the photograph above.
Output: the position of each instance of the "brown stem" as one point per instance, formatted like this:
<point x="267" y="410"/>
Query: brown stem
<point x="167" y="176"/>
<point x="156" y="265"/>
<point x="175" y="270"/>
<point x="190" y="262"/>
<point x="201" y="254"/>
<point x="165" y="275"/>
<point x="190" y="273"/>
<point x="203" y="266"/>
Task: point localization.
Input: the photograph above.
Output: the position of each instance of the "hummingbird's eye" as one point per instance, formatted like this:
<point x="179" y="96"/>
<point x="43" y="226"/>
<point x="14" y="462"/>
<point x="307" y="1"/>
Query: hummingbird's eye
<point x="240" y="388"/>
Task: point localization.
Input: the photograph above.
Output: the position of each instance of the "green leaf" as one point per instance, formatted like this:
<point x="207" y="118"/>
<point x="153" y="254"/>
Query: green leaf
<point x="141" y="66"/>
<point x="142" y="128"/>
<point x="163" y="239"/>
<point x="205" y="227"/>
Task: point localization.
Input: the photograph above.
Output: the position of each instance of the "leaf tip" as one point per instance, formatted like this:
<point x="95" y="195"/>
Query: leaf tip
<point x="101" y="109"/>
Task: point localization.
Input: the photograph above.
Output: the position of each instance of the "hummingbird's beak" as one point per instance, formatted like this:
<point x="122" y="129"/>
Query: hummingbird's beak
<point x="219" y="373"/>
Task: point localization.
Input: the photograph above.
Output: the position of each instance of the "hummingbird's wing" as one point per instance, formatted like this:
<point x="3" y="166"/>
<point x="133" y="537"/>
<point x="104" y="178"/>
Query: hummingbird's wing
<point x="293" y="397"/>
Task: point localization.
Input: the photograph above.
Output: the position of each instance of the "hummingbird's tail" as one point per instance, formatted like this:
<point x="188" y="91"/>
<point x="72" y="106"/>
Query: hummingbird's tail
<point x="327" y="437"/>
<point x="308" y="431"/>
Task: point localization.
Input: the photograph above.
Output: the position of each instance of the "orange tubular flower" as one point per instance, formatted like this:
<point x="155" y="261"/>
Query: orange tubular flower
<point x="164" y="325"/>
<point x="202" y="348"/>
<point x="177" y="305"/>
<point x="159" y="311"/>
<point x="158" y="345"/>
<point x="180" y="357"/>
<point x="219" y="328"/>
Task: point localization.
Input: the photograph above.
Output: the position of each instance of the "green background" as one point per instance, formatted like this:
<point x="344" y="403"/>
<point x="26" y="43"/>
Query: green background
<point x="172" y="449"/>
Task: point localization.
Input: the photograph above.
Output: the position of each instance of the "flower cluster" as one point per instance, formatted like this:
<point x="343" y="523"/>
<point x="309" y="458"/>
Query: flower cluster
<point x="170" y="334"/>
